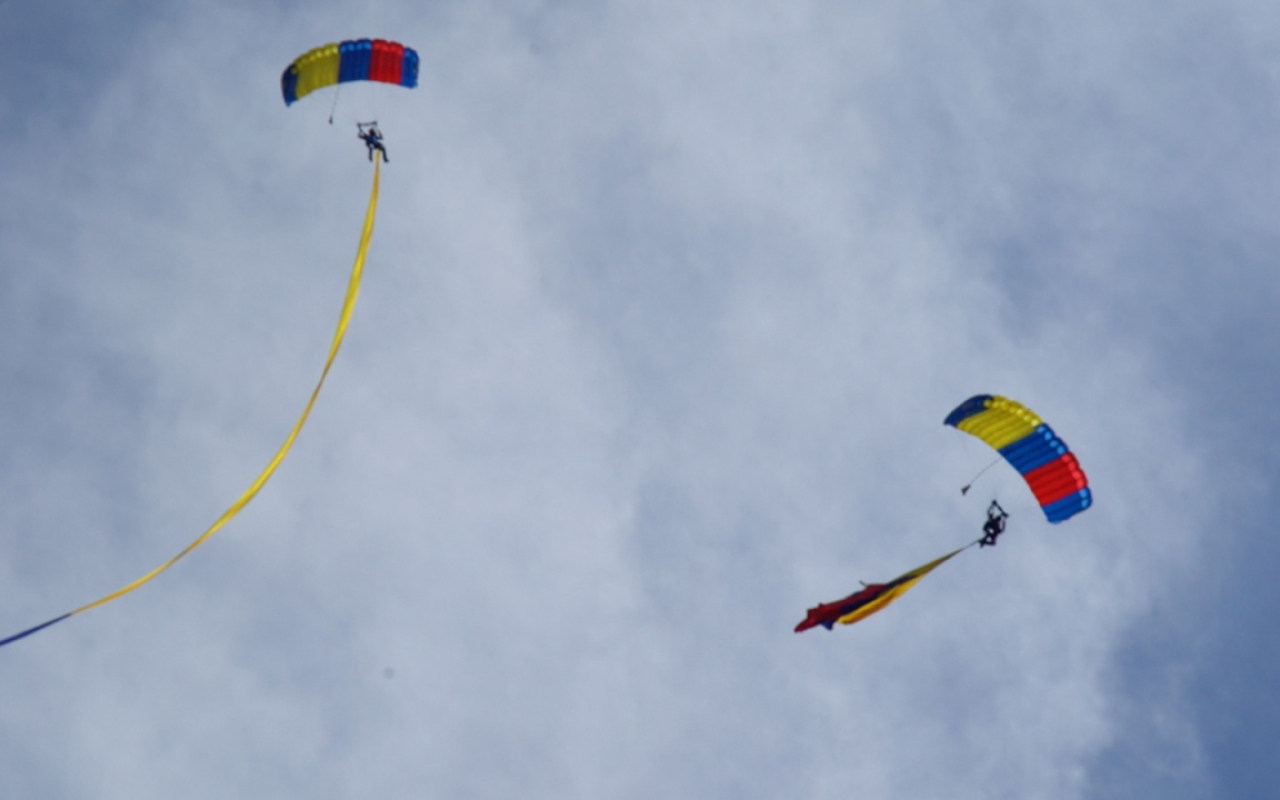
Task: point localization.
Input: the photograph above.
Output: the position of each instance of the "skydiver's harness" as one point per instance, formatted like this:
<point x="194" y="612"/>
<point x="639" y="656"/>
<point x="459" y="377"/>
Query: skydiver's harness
<point x="994" y="525"/>
<point x="372" y="138"/>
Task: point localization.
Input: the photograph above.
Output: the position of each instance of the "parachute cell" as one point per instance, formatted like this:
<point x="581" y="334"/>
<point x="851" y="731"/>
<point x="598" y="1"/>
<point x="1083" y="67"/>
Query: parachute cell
<point x="1032" y="448"/>
<point x="351" y="60"/>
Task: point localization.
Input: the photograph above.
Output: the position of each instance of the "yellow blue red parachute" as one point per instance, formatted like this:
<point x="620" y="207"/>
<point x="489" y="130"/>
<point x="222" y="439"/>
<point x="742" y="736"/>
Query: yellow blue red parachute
<point x="350" y="60"/>
<point x="1032" y="448"/>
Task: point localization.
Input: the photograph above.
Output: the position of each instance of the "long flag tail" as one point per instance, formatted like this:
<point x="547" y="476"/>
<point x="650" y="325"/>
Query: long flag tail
<point x="896" y="588"/>
<point x="344" y="318"/>
<point x="871" y="598"/>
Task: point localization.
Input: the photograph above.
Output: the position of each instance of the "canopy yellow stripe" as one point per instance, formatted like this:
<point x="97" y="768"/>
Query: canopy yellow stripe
<point x="317" y="68"/>
<point x="1004" y="422"/>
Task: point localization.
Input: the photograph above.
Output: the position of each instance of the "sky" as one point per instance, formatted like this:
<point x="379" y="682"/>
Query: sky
<point x="664" y="309"/>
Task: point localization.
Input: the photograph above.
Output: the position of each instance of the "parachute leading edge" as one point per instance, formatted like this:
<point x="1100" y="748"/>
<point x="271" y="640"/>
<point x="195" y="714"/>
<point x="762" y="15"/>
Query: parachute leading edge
<point x="1032" y="448"/>
<point x="350" y="60"/>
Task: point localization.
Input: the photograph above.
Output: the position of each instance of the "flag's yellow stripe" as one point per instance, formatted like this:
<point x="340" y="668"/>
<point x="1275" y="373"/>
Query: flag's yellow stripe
<point x="348" y="305"/>
<point x="902" y="584"/>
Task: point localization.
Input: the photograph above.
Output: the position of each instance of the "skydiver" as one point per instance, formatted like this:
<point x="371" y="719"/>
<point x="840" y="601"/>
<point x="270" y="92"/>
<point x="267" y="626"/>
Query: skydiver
<point x="994" y="525"/>
<point x="372" y="138"/>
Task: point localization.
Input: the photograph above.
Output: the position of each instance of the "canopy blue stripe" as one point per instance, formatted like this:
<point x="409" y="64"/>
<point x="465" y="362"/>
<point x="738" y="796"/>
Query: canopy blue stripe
<point x="974" y="405"/>
<point x="289" y="85"/>
<point x="349" y="64"/>
<point x="409" y="68"/>
<point x="1069" y="506"/>
<point x="1034" y="450"/>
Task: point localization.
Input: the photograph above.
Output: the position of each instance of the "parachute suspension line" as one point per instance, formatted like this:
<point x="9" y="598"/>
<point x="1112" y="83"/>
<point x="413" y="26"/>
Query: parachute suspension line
<point x="334" y="107"/>
<point x="344" y="317"/>
<point x="965" y="489"/>
<point x="375" y="99"/>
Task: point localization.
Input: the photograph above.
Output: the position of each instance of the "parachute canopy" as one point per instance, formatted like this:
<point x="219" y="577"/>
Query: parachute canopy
<point x="351" y="60"/>
<point x="1032" y="448"/>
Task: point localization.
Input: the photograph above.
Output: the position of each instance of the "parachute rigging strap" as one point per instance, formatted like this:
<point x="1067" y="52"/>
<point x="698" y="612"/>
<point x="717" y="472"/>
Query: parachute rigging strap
<point x="348" y="305"/>
<point x="965" y="489"/>
<point x="334" y="107"/>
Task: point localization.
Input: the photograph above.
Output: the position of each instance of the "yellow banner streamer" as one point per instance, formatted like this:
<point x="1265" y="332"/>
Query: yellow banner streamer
<point x="348" y="305"/>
